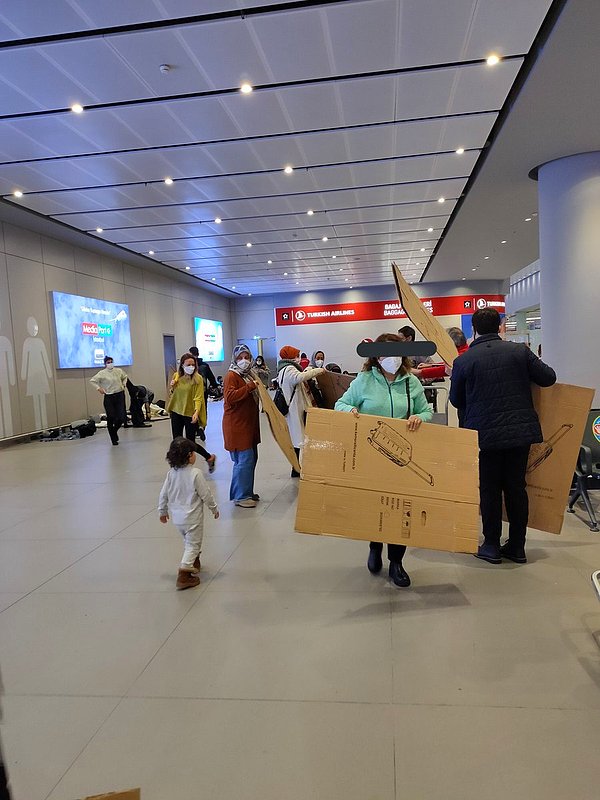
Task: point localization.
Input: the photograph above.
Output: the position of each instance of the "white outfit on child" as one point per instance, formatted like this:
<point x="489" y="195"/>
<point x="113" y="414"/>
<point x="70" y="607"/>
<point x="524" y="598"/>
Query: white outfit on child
<point x="183" y="495"/>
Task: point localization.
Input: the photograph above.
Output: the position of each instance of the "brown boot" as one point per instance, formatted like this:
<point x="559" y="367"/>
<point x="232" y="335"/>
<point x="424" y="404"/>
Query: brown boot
<point x="197" y="564"/>
<point x="187" y="580"/>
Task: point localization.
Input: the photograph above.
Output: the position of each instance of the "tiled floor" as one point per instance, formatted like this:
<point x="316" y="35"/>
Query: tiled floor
<point x="290" y="672"/>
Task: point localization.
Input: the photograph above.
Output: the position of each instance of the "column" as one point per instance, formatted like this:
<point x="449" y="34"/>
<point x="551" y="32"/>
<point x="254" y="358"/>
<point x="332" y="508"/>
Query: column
<point x="569" y="226"/>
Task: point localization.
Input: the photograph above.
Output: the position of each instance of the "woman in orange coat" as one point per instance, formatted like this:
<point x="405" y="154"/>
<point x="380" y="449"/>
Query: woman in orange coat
<point x="241" y="428"/>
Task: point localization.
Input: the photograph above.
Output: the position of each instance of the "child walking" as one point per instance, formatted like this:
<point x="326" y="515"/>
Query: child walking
<point x="183" y="496"/>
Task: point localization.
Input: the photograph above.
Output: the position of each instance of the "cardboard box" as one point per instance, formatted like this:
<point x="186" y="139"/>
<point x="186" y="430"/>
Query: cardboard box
<point x="278" y="427"/>
<point x="427" y="325"/>
<point x="370" y="478"/>
<point x="332" y="386"/>
<point x="132" y="794"/>
<point x="563" y="412"/>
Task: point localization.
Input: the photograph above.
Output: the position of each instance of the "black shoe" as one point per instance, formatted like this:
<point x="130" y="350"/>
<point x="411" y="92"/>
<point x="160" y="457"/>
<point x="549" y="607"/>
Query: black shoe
<point x="295" y="474"/>
<point x="201" y="434"/>
<point x="489" y="553"/>
<point x="115" y="443"/>
<point x="374" y="562"/>
<point x="516" y="554"/>
<point x="399" y="576"/>
<point x="256" y="497"/>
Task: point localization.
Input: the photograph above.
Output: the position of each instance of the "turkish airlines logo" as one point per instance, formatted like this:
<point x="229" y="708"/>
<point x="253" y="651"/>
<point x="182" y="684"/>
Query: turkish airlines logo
<point x="481" y="303"/>
<point x="300" y="316"/>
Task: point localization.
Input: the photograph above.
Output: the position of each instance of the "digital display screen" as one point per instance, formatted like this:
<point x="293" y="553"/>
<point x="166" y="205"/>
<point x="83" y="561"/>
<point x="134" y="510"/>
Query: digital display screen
<point x="208" y="334"/>
<point x="87" y="329"/>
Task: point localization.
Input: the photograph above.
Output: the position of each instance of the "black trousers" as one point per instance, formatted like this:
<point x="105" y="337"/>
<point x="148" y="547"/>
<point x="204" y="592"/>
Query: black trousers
<point x="395" y="551"/>
<point x="179" y="424"/>
<point x="502" y="474"/>
<point x="114" y="405"/>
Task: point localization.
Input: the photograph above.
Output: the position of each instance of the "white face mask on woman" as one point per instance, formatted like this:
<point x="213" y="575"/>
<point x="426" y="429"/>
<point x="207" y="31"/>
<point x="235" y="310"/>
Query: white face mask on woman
<point x="244" y="364"/>
<point x="391" y="364"/>
<point x="110" y="366"/>
<point x="319" y="362"/>
<point x="189" y="369"/>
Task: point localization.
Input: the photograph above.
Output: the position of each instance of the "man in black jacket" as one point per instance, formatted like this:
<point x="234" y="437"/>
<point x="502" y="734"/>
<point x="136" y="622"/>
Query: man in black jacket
<point x="491" y="388"/>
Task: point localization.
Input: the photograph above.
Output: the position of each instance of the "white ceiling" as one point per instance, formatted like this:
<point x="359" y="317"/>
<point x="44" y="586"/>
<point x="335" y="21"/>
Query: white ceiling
<point x="368" y="100"/>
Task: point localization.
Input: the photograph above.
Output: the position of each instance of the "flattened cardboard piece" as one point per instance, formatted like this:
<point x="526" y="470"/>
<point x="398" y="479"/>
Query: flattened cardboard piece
<point x="563" y="412"/>
<point x="278" y="427"/>
<point x="424" y="322"/>
<point x="132" y="794"/>
<point x="332" y="386"/>
<point x="370" y="478"/>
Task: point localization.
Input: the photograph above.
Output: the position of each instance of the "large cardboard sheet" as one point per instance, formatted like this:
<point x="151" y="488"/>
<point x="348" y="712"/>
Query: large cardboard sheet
<point x="132" y="794"/>
<point x="563" y="412"/>
<point x="424" y="322"/>
<point x="332" y="386"/>
<point x="278" y="426"/>
<point x="371" y="478"/>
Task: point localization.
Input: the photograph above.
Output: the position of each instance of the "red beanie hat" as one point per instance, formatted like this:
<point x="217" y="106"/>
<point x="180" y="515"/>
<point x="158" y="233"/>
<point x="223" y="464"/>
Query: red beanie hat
<point x="288" y="352"/>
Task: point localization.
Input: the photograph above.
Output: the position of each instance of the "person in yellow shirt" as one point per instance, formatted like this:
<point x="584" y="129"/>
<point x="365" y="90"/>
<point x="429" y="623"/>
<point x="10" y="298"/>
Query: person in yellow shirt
<point x="187" y="406"/>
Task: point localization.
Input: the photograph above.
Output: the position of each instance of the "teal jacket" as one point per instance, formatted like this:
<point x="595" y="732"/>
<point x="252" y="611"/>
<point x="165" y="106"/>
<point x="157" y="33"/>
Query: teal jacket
<point x="370" y="393"/>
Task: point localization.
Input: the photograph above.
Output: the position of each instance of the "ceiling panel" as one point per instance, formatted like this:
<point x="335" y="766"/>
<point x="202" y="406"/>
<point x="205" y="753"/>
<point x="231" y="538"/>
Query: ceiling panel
<point x="372" y="153"/>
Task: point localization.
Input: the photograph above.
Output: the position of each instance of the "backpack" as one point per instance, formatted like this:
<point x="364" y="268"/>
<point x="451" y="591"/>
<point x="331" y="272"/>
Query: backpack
<point x="281" y="403"/>
<point x="85" y="427"/>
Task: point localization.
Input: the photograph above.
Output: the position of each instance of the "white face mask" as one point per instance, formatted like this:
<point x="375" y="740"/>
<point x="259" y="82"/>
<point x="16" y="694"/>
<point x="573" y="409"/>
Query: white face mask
<point x="243" y="364"/>
<point x="319" y="362"/>
<point x="110" y="366"/>
<point x="189" y="369"/>
<point x="391" y="364"/>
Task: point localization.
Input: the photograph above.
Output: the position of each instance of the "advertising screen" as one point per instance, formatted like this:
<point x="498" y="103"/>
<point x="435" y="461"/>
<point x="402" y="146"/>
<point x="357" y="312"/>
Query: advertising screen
<point x="208" y="334"/>
<point x="87" y="329"/>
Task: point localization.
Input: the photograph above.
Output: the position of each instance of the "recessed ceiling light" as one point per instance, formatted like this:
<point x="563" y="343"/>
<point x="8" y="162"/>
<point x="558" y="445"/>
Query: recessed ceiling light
<point x="346" y="279"/>
<point x="233" y="287"/>
<point x="168" y="181"/>
<point x="429" y="230"/>
<point x="248" y="244"/>
<point x="417" y="263"/>
<point x="218" y="220"/>
<point x="17" y="193"/>
<point x="503" y="241"/>
<point x="310" y="212"/>
<point x="285" y="274"/>
<point x="352" y="287"/>
<point x="463" y="279"/>
<point x="527" y="219"/>
<point x="297" y="283"/>
<point x="460" y="151"/>
<point x="441" y="199"/>
<point x="492" y="60"/>
<point x="485" y="258"/>
<point x="334" y="256"/>
<point x="422" y="249"/>
<point x="99" y="230"/>
<point x="187" y="268"/>
<point x="246" y="88"/>
<point x="269" y="261"/>
<point x="150" y="252"/>
<point x="77" y="108"/>
<point x="341" y="269"/>
<point x="249" y="294"/>
<point x="288" y="170"/>
<point x="474" y="269"/>
<point x="325" y="239"/>
<point x="213" y="279"/>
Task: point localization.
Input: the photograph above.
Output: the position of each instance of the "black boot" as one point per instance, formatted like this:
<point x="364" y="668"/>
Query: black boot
<point x="399" y="576"/>
<point x="513" y="552"/>
<point x="374" y="562"/>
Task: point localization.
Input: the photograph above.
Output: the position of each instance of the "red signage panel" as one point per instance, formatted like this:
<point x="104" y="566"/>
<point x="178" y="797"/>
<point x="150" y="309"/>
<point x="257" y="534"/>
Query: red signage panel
<point x="384" y="309"/>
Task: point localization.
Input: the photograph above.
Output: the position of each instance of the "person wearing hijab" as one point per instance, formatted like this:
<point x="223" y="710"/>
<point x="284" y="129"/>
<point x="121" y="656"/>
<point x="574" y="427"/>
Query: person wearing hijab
<point x="186" y="405"/>
<point x="241" y="427"/>
<point x="262" y="371"/>
<point x="293" y="382"/>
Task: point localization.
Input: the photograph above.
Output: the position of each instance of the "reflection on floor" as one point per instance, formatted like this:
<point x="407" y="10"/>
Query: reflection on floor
<point x="290" y="672"/>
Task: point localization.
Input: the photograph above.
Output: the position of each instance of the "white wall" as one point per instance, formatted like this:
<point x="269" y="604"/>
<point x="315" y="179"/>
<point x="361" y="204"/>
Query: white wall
<point x="524" y="289"/>
<point x="255" y="316"/>
<point x="32" y="265"/>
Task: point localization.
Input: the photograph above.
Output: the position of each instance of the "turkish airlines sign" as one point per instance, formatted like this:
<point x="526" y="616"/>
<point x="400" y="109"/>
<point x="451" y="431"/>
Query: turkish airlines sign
<point x="384" y="309"/>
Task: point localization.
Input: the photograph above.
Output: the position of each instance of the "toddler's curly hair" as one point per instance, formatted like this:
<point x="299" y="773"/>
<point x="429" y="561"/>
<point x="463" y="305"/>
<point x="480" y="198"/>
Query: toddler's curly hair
<point x="179" y="452"/>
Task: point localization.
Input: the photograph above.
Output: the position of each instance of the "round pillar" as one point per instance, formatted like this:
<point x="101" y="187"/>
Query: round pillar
<point x="569" y="227"/>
